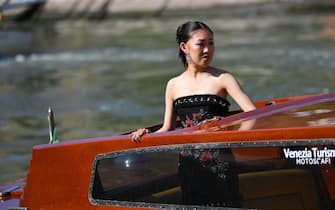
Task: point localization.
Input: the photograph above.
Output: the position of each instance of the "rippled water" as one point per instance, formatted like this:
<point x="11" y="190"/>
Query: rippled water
<point x="102" y="78"/>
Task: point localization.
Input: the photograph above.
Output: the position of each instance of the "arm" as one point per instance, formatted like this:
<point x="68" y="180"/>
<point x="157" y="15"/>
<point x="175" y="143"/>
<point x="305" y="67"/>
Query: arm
<point x="169" y="117"/>
<point x="234" y="90"/>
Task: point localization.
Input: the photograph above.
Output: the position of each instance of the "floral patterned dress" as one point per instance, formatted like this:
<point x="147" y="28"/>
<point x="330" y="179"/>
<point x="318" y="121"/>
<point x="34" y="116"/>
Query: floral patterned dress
<point x="208" y="176"/>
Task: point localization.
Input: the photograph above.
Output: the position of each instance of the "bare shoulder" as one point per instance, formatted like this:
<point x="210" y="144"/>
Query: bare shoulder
<point x="172" y="82"/>
<point x="222" y="74"/>
<point x="171" y="87"/>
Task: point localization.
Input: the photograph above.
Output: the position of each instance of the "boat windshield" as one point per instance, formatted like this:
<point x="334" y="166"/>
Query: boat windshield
<point x="281" y="175"/>
<point x="307" y="116"/>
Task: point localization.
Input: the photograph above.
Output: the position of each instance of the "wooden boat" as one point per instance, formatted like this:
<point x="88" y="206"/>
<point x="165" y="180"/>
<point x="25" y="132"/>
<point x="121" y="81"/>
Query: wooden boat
<point x="20" y="10"/>
<point x="283" y="154"/>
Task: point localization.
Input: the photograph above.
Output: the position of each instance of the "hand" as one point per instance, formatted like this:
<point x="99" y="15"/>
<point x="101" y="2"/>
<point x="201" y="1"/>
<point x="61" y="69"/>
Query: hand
<point x="247" y="125"/>
<point x="137" y="135"/>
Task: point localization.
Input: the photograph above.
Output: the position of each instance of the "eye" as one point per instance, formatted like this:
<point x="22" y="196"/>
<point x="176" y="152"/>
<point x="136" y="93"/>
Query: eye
<point x="201" y="44"/>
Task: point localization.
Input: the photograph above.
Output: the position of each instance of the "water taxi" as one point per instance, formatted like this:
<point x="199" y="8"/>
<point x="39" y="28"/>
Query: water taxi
<point x="280" y="156"/>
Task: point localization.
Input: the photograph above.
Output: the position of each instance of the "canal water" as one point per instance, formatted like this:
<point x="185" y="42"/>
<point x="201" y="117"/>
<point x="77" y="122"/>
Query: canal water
<point x="103" y="78"/>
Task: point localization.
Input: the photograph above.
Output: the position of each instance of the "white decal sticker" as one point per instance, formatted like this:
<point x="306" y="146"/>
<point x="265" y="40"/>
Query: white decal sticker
<point x="310" y="156"/>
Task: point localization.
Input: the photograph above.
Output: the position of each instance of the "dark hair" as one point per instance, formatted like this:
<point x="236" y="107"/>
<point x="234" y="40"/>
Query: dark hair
<point x="184" y="34"/>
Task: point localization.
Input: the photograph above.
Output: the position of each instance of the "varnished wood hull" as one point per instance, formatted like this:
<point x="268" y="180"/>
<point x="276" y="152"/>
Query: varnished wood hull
<point x="60" y="175"/>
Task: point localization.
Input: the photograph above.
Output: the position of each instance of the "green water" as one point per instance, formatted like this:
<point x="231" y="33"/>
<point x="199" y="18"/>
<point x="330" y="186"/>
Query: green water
<point x="103" y="78"/>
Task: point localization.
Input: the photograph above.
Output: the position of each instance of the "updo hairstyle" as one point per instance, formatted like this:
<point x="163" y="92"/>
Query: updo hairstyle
<point x="184" y="33"/>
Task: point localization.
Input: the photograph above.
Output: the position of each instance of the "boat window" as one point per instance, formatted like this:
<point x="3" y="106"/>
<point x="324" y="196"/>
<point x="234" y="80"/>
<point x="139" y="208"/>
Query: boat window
<point x="261" y="175"/>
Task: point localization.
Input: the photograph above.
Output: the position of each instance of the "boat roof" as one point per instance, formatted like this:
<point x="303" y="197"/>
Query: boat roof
<point x="296" y="112"/>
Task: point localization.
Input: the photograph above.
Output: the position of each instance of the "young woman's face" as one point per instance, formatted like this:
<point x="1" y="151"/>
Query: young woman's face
<point x="199" y="48"/>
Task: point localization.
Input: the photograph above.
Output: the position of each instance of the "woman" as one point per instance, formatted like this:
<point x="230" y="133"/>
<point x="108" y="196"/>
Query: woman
<point x="208" y="177"/>
<point x="200" y="92"/>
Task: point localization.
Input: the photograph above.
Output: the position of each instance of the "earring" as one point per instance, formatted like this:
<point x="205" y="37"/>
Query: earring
<point x="187" y="56"/>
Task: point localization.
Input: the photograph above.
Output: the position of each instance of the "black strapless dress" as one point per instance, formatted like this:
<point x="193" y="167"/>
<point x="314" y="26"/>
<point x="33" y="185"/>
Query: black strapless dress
<point x="196" y="108"/>
<point x="208" y="176"/>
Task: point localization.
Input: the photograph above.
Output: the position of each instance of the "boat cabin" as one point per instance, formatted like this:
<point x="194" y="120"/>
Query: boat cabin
<point x="280" y="156"/>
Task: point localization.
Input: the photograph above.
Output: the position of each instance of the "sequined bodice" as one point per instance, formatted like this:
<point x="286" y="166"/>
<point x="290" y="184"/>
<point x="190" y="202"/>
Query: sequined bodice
<point x="196" y="108"/>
